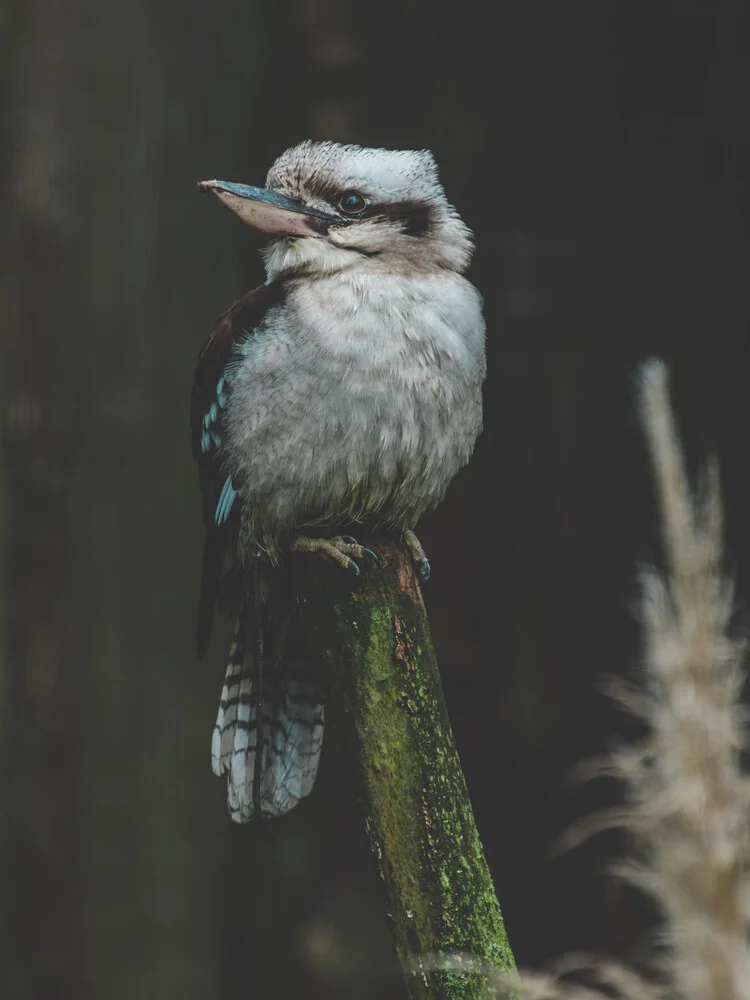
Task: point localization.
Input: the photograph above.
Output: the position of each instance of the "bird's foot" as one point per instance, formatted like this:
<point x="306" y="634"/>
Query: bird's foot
<point x="420" y="560"/>
<point x="343" y="549"/>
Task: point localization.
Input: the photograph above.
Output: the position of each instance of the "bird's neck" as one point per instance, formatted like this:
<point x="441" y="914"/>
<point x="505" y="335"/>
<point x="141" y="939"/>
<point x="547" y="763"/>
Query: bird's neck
<point x="378" y="320"/>
<point x="318" y="258"/>
<point x="308" y="257"/>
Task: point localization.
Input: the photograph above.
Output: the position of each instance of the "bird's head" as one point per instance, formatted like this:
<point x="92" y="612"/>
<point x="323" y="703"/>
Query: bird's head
<point x="336" y="208"/>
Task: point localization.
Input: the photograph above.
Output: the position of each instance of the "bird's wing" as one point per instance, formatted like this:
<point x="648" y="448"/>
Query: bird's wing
<point x="211" y="389"/>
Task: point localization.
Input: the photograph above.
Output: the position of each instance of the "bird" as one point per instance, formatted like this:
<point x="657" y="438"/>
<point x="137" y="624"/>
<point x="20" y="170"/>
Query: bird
<point x="345" y="391"/>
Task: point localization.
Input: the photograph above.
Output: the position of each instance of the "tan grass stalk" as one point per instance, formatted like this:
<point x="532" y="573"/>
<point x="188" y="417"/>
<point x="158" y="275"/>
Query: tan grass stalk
<point x="688" y="801"/>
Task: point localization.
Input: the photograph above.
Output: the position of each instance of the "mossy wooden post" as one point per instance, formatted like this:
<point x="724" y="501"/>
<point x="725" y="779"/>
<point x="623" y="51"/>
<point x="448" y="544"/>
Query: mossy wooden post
<point x="374" y="641"/>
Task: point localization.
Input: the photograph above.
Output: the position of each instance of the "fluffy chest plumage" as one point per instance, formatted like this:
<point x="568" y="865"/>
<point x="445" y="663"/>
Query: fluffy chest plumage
<point x="358" y="396"/>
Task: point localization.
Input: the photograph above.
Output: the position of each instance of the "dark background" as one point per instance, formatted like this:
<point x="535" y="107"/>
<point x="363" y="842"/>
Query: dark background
<point x="600" y="153"/>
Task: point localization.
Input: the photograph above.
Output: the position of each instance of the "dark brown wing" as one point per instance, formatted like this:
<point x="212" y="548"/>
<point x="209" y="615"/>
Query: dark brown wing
<point x="211" y="390"/>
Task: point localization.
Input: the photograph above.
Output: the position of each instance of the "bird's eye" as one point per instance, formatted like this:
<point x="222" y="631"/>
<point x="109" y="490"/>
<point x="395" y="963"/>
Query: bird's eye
<point x="352" y="203"/>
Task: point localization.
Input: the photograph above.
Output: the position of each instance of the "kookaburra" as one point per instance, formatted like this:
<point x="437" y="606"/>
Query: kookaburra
<point x="346" y="391"/>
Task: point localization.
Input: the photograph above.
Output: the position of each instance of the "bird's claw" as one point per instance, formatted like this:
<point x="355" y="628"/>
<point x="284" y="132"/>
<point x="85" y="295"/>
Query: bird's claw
<point x="423" y="569"/>
<point x="342" y="549"/>
<point x="418" y="557"/>
<point x="351" y="540"/>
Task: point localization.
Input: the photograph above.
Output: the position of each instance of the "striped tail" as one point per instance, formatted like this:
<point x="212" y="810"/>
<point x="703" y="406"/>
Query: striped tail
<point x="292" y="733"/>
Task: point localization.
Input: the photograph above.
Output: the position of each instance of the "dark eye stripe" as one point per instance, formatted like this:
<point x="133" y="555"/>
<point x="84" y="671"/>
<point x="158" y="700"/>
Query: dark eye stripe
<point x="416" y="217"/>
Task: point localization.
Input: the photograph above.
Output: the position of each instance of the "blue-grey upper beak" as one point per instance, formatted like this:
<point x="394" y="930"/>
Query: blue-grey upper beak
<point x="270" y="211"/>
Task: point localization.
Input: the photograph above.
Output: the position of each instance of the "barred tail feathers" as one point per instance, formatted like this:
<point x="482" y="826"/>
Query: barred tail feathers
<point x="293" y="721"/>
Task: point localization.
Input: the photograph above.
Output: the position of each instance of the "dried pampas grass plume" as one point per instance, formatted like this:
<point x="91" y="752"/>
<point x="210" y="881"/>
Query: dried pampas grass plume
<point x="688" y="802"/>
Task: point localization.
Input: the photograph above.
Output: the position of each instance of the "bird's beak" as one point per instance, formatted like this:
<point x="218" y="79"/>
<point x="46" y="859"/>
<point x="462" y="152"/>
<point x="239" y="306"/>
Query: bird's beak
<point x="269" y="211"/>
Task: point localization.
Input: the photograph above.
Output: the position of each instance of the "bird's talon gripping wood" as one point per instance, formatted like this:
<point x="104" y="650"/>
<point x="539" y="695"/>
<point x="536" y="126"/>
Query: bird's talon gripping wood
<point x="342" y="549"/>
<point x="418" y="555"/>
<point x="365" y="551"/>
<point x="346" y="390"/>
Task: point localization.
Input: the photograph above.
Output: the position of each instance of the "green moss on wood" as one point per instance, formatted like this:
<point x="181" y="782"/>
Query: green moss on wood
<point x="374" y="641"/>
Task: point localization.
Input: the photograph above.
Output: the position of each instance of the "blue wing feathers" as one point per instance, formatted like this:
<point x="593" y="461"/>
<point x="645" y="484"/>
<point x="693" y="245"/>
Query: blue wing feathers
<point x="208" y="403"/>
<point x="224" y="506"/>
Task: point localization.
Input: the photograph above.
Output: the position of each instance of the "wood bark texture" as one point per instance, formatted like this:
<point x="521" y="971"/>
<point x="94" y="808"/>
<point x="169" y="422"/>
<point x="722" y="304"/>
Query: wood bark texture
<point x="374" y="641"/>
